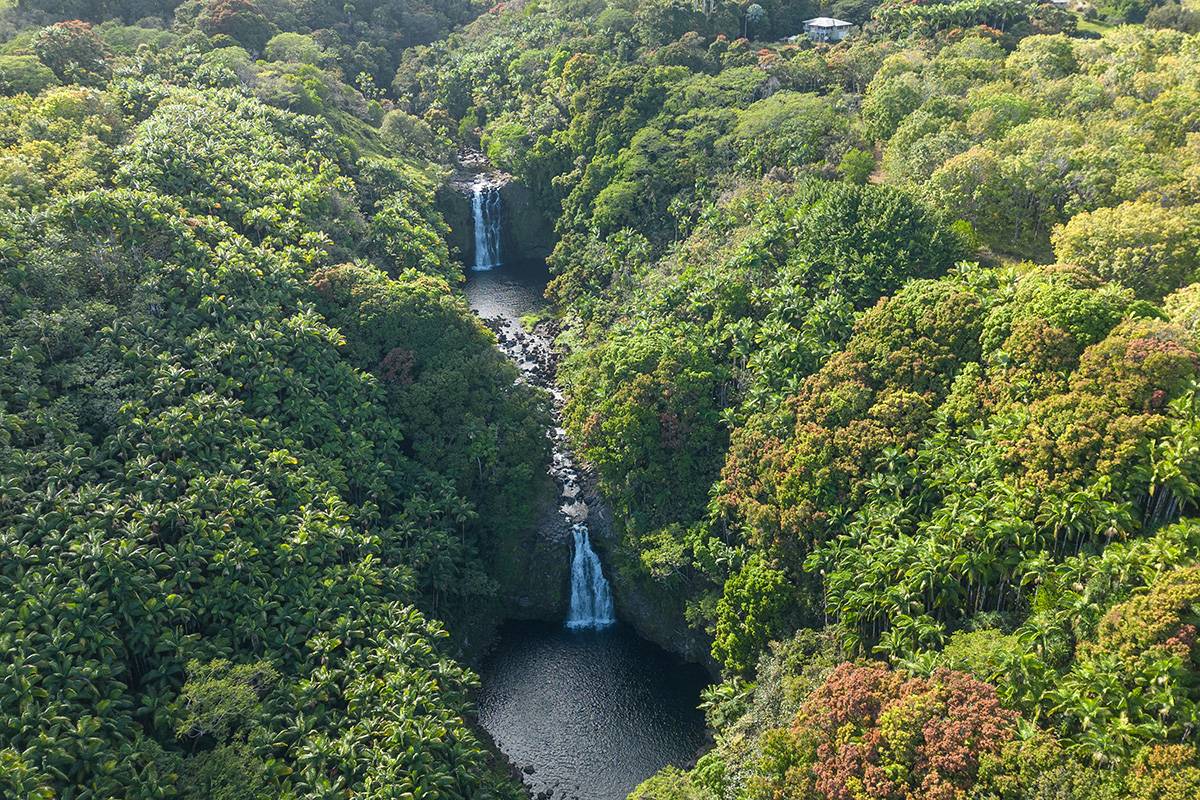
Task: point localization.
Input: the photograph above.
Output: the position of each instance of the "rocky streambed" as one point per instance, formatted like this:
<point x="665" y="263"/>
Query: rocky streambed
<point x="533" y="353"/>
<point x="643" y="606"/>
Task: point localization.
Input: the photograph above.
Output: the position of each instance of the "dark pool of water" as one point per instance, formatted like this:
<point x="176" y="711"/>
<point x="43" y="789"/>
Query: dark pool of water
<point x="593" y="712"/>
<point x="509" y="290"/>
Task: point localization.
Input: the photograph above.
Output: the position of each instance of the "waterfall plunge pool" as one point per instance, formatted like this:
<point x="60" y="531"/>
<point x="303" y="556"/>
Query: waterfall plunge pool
<point x="593" y="711"/>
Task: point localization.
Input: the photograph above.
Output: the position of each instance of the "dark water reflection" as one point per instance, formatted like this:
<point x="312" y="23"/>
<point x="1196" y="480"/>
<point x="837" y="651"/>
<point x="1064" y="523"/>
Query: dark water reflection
<point x="593" y="712"/>
<point x="510" y="290"/>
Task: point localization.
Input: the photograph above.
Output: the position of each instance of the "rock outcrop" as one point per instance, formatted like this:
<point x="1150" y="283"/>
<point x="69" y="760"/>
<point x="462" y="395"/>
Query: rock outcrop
<point x="525" y="230"/>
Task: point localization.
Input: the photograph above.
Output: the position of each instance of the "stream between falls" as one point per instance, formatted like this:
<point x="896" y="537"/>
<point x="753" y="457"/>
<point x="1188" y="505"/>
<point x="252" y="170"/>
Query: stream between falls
<point x="583" y="707"/>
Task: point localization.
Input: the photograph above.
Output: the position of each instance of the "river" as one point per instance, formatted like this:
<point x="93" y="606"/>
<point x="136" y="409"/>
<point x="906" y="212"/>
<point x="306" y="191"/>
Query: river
<point x="587" y="710"/>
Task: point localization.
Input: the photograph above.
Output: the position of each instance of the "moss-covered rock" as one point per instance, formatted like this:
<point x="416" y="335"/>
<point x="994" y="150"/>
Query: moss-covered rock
<point x="533" y="573"/>
<point x="455" y="206"/>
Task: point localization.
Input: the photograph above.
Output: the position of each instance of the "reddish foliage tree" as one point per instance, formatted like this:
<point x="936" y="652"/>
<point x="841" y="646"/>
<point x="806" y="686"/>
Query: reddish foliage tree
<point x="881" y="734"/>
<point x="73" y="51"/>
<point x="1164" y="616"/>
<point x="878" y="393"/>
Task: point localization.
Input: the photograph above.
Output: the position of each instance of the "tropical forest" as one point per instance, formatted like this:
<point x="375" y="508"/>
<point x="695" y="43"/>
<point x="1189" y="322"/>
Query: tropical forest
<point x="600" y="399"/>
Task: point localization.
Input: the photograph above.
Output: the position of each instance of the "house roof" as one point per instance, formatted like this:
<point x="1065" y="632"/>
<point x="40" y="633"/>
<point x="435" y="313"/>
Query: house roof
<point x="828" y="22"/>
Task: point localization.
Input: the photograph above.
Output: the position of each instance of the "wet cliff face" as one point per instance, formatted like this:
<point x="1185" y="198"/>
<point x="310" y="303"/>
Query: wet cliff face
<point x="525" y="229"/>
<point x="455" y="206"/>
<point x="656" y="614"/>
<point x="534" y="572"/>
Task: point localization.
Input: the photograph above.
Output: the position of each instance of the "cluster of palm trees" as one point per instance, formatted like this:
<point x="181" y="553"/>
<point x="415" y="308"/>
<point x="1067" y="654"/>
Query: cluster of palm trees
<point x="195" y="477"/>
<point x="929" y="18"/>
<point x="948" y="542"/>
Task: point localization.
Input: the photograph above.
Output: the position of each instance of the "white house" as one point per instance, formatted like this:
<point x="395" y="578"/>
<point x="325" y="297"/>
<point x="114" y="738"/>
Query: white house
<point x="827" y="29"/>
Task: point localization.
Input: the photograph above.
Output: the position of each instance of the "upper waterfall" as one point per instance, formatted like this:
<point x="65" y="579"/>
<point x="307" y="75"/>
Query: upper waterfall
<point x="485" y="213"/>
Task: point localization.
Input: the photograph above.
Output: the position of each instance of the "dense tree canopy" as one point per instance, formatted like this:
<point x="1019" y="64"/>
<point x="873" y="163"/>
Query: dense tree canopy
<point x="251" y="444"/>
<point x="883" y="353"/>
<point x="867" y="337"/>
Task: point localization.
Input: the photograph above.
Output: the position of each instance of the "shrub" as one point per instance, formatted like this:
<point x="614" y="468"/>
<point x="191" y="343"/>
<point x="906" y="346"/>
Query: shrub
<point x="73" y="51"/>
<point x="290" y="46"/>
<point x="24" y="74"/>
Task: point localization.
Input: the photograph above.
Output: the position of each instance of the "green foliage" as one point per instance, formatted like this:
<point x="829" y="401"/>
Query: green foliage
<point x="754" y="609"/>
<point x="219" y="596"/>
<point x="888" y="101"/>
<point x="407" y="136"/>
<point x="856" y="166"/>
<point x="268" y="461"/>
<point x="1170" y="772"/>
<point x="274" y="176"/>
<point x="454" y="394"/>
<point x="24" y="75"/>
<point x="646" y="400"/>
<point x="928" y="18"/>
<point x="289" y="46"/>
<point x="670" y="784"/>
<point x="1022" y="144"/>
<point x="789" y="129"/>
<point x="1175" y="16"/>
<point x="1183" y="307"/>
<point x="985" y="653"/>
<point x="649" y="422"/>
<point x="1146" y="247"/>
<point x="98" y="10"/>
<point x="218" y="698"/>
<point x="806" y="411"/>
<point x="1124" y="10"/>
<point x="1038" y="768"/>
<point x="60" y="141"/>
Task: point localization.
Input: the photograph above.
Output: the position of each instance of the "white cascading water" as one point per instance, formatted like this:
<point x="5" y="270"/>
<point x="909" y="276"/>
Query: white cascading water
<point x="591" y="597"/>
<point x="485" y="209"/>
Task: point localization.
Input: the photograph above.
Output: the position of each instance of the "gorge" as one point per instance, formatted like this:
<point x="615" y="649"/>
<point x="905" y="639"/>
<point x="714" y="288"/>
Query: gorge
<point x="544" y="399"/>
<point x="582" y="705"/>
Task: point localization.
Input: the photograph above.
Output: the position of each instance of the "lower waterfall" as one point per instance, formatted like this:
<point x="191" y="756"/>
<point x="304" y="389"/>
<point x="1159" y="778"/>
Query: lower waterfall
<point x="591" y="597"/>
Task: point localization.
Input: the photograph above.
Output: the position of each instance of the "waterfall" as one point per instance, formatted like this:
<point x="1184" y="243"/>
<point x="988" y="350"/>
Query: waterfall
<point x="485" y="210"/>
<point x="591" y="598"/>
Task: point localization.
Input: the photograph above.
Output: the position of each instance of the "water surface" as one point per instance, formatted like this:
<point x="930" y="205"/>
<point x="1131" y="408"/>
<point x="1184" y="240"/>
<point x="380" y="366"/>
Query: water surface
<point x="594" y="712"/>
<point x="510" y="290"/>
